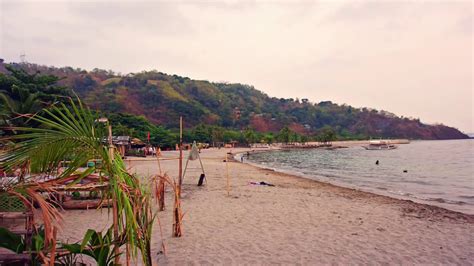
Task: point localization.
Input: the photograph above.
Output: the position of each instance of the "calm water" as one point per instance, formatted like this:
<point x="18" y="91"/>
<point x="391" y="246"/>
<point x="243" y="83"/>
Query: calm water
<point x="438" y="172"/>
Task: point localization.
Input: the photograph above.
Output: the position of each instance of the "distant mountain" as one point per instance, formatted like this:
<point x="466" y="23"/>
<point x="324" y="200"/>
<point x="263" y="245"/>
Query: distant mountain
<point x="162" y="98"/>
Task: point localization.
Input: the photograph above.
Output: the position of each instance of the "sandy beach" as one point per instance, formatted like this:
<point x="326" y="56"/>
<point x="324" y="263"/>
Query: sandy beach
<point x="297" y="221"/>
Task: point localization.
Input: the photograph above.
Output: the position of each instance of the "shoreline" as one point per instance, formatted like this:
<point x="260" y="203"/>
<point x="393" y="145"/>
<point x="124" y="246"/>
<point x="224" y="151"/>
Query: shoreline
<point x="342" y="186"/>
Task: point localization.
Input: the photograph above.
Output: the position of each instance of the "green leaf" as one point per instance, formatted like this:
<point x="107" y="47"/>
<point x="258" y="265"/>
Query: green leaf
<point x="86" y="238"/>
<point x="11" y="241"/>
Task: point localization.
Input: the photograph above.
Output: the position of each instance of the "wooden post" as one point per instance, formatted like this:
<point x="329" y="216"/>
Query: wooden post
<point x="111" y="145"/>
<point x="227" y="173"/>
<point x="180" y="175"/>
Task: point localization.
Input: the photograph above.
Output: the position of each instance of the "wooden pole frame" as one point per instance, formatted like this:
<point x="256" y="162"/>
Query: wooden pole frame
<point x="200" y="162"/>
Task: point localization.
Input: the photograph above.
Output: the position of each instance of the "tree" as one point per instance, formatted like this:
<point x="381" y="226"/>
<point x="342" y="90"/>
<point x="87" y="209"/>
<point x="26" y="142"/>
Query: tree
<point x="326" y="134"/>
<point x="285" y="135"/>
<point x="250" y="136"/>
<point x="268" y="138"/>
<point x="201" y="133"/>
<point x="217" y="135"/>
<point x="304" y="139"/>
<point x="161" y="137"/>
<point x="22" y="96"/>
<point x="231" y="135"/>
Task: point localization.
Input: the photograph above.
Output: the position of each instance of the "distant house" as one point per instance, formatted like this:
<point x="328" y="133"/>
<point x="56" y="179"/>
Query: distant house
<point x="231" y="144"/>
<point x="137" y="143"/>
<point x="122" y="143"/>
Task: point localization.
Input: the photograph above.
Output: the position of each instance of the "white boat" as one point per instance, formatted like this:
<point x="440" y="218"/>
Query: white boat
<point x="380" y="145"/>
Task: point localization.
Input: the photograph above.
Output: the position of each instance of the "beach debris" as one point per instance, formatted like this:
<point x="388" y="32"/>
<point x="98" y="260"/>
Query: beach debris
<point x="261" y="183"/>
<point x="405" y="171"/>
<point x="377" y="162"/>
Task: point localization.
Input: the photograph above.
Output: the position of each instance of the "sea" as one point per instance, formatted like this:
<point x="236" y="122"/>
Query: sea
<point x="438" y="172"/>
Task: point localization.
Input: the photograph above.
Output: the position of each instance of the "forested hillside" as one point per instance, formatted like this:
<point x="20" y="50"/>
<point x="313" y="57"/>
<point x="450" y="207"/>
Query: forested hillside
<point x="162" y="98"/>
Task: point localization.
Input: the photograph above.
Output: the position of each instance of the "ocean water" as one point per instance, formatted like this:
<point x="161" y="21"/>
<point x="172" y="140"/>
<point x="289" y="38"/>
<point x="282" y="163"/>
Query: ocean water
<point x="438" y="173"/>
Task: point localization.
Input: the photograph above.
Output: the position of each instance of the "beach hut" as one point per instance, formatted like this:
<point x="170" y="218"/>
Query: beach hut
<point x="122" y="143"/>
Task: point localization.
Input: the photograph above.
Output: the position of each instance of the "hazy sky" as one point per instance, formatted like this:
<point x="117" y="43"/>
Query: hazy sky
<point x="412" y="58"/>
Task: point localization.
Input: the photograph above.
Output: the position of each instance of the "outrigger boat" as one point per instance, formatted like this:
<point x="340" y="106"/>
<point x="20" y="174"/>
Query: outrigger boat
<point x="380" y="145"/>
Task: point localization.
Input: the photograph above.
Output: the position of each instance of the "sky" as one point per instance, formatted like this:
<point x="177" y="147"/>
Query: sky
<point x="411" y="58"/>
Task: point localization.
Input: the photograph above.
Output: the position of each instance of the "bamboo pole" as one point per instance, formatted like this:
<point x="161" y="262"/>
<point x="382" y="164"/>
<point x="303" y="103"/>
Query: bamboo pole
<point x="114" y="204"/>
<point x="180" y="176"/>
<point x="227" y="173"/>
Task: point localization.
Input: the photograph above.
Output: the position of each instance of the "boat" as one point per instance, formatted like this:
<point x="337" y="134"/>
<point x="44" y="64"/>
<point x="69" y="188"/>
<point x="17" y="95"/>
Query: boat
<point x="380" y="145"/>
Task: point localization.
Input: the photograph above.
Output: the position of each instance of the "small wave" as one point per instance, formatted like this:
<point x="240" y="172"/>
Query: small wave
<point x="401" y="193"/>
<point x="415" y="182"/>
<point x="466" y="197"/>
<point x="441" y="200"/>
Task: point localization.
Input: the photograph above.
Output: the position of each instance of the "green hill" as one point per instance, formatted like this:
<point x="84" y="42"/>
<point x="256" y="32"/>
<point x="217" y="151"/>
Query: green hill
<point x="162" y="98"/>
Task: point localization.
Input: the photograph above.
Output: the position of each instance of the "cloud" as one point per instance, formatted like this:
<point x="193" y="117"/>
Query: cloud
<point x="409" y="57"/>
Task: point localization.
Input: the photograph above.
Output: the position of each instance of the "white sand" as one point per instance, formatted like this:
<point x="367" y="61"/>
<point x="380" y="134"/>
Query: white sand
<point x="298" y="221"/>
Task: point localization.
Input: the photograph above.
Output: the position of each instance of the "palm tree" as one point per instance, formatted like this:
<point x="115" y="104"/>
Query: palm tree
<point x="23" y="95"/>
<point x="71" y="131"/>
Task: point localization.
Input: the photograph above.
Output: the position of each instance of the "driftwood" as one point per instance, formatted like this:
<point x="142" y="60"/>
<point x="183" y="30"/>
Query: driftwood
<point x="86" y="204"/>
<point x="15" y="215"/>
